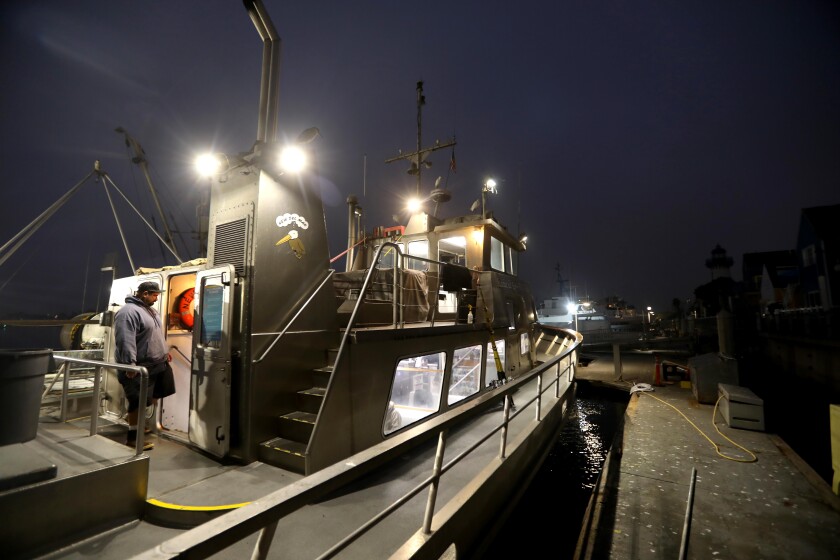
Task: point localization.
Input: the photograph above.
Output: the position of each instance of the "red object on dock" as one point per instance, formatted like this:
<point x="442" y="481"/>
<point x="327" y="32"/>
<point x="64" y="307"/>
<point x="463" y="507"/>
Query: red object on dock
<point x="657" y="372"/>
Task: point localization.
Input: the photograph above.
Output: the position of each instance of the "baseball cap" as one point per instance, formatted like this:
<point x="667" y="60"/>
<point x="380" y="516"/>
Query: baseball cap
<point x="148" y="287"/>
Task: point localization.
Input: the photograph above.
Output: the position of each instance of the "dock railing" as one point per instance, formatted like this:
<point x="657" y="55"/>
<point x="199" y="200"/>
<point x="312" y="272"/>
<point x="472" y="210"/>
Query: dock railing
<point x="262" y="516"/>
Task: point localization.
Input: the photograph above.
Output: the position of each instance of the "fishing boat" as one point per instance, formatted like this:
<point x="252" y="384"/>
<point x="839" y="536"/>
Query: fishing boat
<point x="313" y="406"/>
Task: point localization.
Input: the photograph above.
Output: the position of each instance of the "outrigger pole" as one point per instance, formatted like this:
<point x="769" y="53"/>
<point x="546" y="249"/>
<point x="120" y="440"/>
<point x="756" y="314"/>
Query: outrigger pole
<point x="140" y="159"/>
<point x="24" y="234"/>
<point x="12" y="245"/>
<point x="105" y="177"/>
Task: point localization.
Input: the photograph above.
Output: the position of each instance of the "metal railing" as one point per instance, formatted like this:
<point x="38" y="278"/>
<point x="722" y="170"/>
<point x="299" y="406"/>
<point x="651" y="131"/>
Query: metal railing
<point x="398" y="256"/>
<point x="70" y="376"/>
<point x="262" y="516"/>
<point x="97" y="377"/>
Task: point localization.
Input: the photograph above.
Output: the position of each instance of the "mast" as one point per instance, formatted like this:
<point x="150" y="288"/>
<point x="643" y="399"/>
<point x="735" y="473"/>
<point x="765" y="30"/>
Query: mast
<point x="417" y="157"/>
<point x="421" y="100"/>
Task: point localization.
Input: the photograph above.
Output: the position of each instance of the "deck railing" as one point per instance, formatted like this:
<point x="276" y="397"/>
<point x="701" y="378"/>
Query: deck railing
<point x="263" y="515"/>
<point x="97" y="377"/>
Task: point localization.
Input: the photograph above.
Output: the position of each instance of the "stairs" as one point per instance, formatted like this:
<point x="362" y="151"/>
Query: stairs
<point x="294" y="428"/>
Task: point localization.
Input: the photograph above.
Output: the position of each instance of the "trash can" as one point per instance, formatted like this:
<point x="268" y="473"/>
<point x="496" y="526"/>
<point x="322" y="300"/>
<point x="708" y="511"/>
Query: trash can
<point x="21" y="385"/>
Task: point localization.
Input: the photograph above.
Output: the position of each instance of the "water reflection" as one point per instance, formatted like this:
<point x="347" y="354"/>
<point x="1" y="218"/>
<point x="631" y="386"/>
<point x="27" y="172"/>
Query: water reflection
<point x="568" y="476"/>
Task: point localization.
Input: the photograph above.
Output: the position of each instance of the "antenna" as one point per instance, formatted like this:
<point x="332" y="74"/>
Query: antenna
<point x="418" y="157"/>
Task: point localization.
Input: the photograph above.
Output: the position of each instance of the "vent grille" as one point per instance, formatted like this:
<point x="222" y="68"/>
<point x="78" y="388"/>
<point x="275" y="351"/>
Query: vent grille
<point x="230" y="245"/>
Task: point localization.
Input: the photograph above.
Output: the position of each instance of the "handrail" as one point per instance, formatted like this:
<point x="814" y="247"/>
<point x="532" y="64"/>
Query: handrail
<point x="362" y="292"/>
<point x="178" y="350"/>
<point x="94" y="413"/>
<point x="262" y="516"/>
<point x="294" y="317"/>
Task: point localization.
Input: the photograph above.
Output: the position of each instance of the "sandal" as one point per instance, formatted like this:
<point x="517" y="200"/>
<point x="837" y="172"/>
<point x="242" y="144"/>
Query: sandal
<point x="147" y="445"/>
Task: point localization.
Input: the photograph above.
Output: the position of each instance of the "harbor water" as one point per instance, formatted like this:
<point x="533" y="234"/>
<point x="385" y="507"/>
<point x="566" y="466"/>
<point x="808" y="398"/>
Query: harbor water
<point x="556" y="499"/>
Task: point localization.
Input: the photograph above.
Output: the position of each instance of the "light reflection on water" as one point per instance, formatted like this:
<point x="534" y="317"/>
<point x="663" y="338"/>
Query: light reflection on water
<point x="568" y="476"/>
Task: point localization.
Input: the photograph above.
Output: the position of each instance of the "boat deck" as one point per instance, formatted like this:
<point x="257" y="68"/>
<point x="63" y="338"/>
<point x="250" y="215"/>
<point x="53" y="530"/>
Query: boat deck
<point x="775" y="507"/>
<point x="179" y="475"/>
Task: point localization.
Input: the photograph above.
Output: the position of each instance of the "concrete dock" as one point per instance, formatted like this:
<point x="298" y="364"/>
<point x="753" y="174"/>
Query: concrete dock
<point x="667" y="492"/>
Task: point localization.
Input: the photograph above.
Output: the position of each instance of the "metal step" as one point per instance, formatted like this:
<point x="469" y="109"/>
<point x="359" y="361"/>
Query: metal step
<point x="284" y="453"/>
<point x="309" y="400"/>
<point x="321" y="376"/>
<point x="297" y="426"/>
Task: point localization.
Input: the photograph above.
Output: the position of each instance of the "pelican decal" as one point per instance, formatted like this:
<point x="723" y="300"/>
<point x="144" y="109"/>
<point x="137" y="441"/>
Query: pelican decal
<point x="292" y="238"/>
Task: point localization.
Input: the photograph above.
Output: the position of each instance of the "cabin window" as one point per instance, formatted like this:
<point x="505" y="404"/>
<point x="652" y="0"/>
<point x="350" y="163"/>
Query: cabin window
<point x="524" y="343"/>
<point x="415" y="393"/>
<point x="511" y="261"/>
<point x="451" y="250"/>
<point x="418" y="248"/>
<point x="492" y="371"/>
<point x="466" y="373"/>
<point x="388" y="254"/>
<point x="497" y="254"/>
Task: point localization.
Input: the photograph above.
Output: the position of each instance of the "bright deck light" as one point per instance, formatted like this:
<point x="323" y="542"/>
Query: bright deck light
<point x="293" y="159"/>
<point x="207" y="165"/>
<point x="413" y="205"/>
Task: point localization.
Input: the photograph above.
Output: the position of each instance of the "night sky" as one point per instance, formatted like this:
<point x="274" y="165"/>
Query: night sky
<point x="628" y="138"/>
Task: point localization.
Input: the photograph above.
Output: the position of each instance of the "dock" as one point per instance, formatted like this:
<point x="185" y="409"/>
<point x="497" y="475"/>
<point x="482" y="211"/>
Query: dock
<point x="667" y="491"/>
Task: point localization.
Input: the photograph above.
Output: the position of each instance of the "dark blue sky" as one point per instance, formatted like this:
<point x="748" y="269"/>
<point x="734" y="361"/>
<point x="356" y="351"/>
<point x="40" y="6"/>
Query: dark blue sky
<point x="629" y="138"/>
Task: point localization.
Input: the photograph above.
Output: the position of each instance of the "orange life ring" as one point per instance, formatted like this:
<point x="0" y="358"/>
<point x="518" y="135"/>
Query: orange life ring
<point x="185" y="308"/>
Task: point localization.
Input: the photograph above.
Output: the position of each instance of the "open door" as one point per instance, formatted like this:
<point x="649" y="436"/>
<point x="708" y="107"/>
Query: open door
<point x="210" y="381"/>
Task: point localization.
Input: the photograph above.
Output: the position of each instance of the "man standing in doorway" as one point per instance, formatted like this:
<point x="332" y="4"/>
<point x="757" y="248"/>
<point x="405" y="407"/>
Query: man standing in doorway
<point x="138" y="333"/>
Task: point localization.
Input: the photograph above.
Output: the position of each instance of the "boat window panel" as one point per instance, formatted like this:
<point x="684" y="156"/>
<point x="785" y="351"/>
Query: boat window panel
<point x="491" y="374"/>
<point x="524" y="343"/>
<point x="388" y="253"/>
<point x="212" y="312"/>
<point x="466" y="373"/>
<point x="497" y="254"/>
<point x="418" y="248"/>
<point x="511" y="261"/>
<point x="453" y="250"/>
<point x="416" y="390"/>
<point x="511" y="315"/>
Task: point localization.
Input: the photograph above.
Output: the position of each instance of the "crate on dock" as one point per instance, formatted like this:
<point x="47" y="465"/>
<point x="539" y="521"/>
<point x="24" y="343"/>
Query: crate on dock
<point x="740" y="407"/>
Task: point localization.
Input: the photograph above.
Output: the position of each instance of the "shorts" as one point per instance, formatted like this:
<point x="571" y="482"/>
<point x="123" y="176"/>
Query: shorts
<point x="161" y="384"/>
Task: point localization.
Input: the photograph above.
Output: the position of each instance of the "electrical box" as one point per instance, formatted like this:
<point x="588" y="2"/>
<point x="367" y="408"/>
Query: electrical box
<point x="740" y="407"/>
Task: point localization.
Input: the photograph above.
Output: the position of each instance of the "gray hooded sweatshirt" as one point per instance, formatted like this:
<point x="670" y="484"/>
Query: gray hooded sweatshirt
<point x="138" y="332"/>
